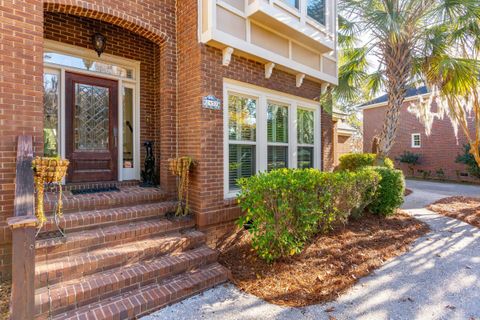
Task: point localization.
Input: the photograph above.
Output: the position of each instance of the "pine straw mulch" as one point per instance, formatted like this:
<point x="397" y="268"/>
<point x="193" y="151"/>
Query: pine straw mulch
<point x="466" y="209"/>
<point x="5" y="290"/>
<point x="327" y="267"/>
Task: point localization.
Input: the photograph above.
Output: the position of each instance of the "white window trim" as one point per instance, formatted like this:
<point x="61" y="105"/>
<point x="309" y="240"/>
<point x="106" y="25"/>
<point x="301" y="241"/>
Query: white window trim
<point x="263" y="95"/>
<point x="419" y="140"/>
<point x="134" y="83"/>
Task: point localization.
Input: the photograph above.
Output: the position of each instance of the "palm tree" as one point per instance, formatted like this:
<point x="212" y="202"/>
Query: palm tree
<point x="411" y="43"/>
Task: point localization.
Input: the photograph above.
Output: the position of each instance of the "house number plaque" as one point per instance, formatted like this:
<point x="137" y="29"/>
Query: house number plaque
<point x="212" y="102"/>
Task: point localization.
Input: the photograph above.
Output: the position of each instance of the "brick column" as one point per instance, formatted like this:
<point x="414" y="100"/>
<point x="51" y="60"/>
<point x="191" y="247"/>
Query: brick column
<point x="21" y="97"/>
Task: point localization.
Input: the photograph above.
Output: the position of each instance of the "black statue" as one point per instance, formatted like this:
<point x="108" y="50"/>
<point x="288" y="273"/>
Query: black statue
<point x="148" y="174"/>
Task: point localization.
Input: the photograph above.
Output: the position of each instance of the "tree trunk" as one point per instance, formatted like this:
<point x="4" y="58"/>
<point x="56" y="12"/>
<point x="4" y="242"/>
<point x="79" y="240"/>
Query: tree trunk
<point x="398" y="62"/>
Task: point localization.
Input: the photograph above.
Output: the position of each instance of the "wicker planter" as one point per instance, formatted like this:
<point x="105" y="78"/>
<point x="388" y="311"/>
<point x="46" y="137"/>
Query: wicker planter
<point x="181" y="168"/>
<point x="48" y="170"/>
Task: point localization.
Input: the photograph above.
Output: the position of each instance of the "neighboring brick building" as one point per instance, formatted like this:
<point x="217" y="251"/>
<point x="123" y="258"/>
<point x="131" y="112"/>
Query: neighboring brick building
<point x="234" y="84"/>
<point x="438" y="151"/>
<point x="344" y="139"/>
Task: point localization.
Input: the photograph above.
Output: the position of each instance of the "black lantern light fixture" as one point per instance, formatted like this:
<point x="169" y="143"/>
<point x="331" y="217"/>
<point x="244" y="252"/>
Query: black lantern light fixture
<point x="99" y="43"/>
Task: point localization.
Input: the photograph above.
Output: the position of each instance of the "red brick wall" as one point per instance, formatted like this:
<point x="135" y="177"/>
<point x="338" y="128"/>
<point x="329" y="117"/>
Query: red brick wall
<point x="21" y="79"/>
<point x="343" y="146"/>
<point x="210" y="204"/>
<point x="200" y="131"/>
<point x="154" y="20"/>
<point x="200" y="72"/>
<point x="21" y="99"/>
<point x="438" y="151"/>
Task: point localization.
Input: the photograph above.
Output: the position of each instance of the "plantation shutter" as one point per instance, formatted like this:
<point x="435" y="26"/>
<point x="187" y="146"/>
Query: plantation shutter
<point x="305" y="138"/>
<point x="241" y="163"/>
<point x="277" y="134"/>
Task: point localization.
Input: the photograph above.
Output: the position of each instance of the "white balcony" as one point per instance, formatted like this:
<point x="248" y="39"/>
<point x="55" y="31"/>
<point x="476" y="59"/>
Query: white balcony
<point x="275" y="33"/>
<point x="293" y="21"/>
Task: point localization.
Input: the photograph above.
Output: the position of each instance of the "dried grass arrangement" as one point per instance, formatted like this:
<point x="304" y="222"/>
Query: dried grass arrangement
<point x="48" y="170"/>
<point x="181" y="167"/>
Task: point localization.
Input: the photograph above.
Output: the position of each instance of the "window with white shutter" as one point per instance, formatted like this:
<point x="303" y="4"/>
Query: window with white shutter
<point x="266" y="130"/>
<point x="277" y="136"/>
<point x="305" y="138"/>
<point x="242" y="125"/>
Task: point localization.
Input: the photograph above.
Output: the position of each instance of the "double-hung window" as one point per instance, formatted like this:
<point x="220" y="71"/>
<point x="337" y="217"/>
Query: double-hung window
<point x="277" y="136"/>
<point x="267" y="130"/>
<point x="242" y="123"/>
<point x="305" y="138"/>
<point x="416" y="140"/>
<point x="316" y="10"/>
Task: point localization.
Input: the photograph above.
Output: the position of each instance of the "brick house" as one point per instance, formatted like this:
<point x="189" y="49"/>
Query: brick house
<point x="438" y="151"/>
<point x="343" y="136"/>
<point x="234" y="84"/>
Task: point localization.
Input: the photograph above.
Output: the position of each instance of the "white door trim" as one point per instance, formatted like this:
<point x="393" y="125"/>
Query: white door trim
<point x="58" y="47"/>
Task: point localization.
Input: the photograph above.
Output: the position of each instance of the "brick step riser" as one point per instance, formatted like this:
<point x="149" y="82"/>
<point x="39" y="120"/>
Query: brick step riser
<point x="91" y="266"/>
<point x="98" y="219"/>
<point x="94" y="203"/>
<point x="92" y="185"/>
<point x="112" y="288"/>
<point x="151" y="298"/>
<point x="95" y="243"/>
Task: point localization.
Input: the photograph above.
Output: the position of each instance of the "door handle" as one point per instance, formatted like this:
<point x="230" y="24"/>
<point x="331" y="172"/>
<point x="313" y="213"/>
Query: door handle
<point x="115" y="136"/>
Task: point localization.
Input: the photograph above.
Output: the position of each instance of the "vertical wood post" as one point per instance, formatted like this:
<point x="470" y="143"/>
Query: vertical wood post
<point x="23" y="225"/>
<point x="22" y="303"/>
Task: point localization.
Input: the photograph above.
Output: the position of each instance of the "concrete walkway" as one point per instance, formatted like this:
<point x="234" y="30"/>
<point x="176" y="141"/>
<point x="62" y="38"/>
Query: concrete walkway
<point x="439" y="278"/>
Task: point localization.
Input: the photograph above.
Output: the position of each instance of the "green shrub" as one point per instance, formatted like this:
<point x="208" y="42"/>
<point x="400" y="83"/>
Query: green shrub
<point x="410" y="159"/>
<point x="390" y="193"/>
<point x="469" y="160"/>
<point x="356" y="161"/>
<point x="285" y="208"/>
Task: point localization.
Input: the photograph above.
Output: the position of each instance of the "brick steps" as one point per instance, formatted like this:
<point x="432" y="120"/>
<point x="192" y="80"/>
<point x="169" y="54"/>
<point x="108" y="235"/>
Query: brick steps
<point x="69" y="295"/>
<point x="127" y="196"/>
<point x="75" y="266"/>
<point x="151" y="297"/>
<point x="94" y="219"/>
<point x="122" y="257"/>
<point x="87" y="240"/>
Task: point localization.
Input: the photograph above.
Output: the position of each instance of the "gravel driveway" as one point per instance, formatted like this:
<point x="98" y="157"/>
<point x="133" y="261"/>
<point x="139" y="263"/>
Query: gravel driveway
<point x="439" y="278"/>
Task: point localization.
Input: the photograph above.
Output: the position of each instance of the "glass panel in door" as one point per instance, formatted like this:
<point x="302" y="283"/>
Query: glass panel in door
<point x="91" y="120"/>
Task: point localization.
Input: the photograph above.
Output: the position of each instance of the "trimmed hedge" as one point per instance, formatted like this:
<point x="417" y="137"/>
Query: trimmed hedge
<point x="356" y="161"/>
<point x="390" y="194"/>
<point x="284" y="208"/>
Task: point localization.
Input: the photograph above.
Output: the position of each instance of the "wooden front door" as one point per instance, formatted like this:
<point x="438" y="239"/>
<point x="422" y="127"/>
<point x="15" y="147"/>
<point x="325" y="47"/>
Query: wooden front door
<point x="91" y="125"/>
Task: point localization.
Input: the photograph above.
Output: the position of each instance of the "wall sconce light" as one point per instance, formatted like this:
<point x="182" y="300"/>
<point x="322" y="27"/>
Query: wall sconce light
<point x="99" y="43"/>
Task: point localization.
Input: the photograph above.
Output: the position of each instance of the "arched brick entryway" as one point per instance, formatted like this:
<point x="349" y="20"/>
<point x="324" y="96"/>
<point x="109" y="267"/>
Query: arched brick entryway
<point x="138" y="17"/>
<point x="106" y="12"/>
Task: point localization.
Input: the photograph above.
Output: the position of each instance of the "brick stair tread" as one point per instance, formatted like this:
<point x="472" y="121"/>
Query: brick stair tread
<point x="95" y="218"/>
<point x="85" y="202"/>
<point x="76" y="293"/>
<point x="85" y="263"/>
<point x="149" y="298"/>
<point x="84" y="240"/>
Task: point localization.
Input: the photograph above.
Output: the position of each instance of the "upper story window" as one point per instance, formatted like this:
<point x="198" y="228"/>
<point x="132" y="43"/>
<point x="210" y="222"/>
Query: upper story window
<point x="293" y="3"/>
<point x="265" y="131"/>
<point x="416" y="140"/>
<point x="316" y="10"/>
